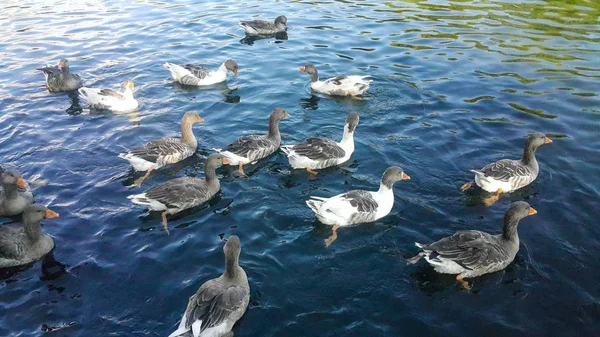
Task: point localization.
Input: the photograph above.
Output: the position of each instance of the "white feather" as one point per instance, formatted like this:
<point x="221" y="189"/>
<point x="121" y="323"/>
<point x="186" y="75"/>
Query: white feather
<point x="139" y="164"/>
<point x="141" y="199"/>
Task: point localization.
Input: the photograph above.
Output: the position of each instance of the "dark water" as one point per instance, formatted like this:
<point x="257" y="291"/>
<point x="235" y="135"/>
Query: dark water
<point x="457" y="85"/>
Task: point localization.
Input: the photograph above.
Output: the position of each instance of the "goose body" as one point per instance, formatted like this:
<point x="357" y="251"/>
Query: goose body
<point x="473" y="253"/>
<point x="60" y="78"/>
<point x="15" y="195"/>
<point x="159" y="153"/>
<point x="261" y="27"/>
<point x="108" y="99"/>
<point x="358" y="206"/>
<point x="509" y="174"/>
<point x="189" y="74"/>
<point x="183" y="193"/>
<point x="318" y="153"/>
<point x="219" y="303"/>
<point x="24" y="244"/>
<point x="337" y="86"/>
<point x="250" y="149"/>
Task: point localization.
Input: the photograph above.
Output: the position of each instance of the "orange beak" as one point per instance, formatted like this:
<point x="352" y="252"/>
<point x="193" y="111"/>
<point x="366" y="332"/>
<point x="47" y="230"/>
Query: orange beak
<point x="200" y="119"/>
<point x="21" y="183"/>
<point x="50" y="214"/>
<point x="286" y="115"/>
<point x="235" y="72"/>
<point x="405" y="176"/>
<point x="547" y="140"/>
<point x="226" y="161"/>
<point x="532" y="211"/>
<point x="301" y="70"/>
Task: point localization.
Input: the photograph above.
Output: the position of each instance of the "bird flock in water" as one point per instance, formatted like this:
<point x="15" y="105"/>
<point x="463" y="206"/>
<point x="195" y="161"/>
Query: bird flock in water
<point x="220" y="302"/>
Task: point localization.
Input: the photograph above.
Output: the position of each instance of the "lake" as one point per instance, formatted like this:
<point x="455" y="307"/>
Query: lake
<point x="456" y="85"/>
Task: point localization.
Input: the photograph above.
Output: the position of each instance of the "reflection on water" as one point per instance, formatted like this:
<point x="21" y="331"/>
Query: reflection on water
<point x="250" y="39"/>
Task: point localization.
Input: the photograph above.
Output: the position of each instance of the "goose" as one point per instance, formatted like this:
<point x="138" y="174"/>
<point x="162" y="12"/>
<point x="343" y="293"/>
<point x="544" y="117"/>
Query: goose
<point x="183" y="193"/>
<point x="250" y="149"/>
<point x="336" y="86"/>
<point x="261" y="27"/>
<point x="507" y="175"/>
<point x="189" y="74"/>
<point x="108" y="99"/>
<point x="473" y="253"/>
<point x="318" y="153"/>
<point x="357" y="206"/>
<point x="219" y="303"/>
<point x="60" y="78"/>
<point x="15" y="195"/>
<point x="25" y="244"/>
<point x="158" y="153"/>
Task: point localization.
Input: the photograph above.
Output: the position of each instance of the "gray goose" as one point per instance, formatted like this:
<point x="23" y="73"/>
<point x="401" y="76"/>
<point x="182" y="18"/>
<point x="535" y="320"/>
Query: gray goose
<point x="183" y="193"/>
<point x="60" y="78"/>
<point x="357" y="206"/>
<point x="189" y="74"/>
<point x="261" y="27"/>
<point x="507" y="175"/>
<point x="219" y="303"/>
<point x="14" y="193"/>
<point x="474" y="253"/>
<point x="158" y="153"/>
<point x="250" y="149"/>
<point x="25" y="244"/>
<point x="318" y="153"/>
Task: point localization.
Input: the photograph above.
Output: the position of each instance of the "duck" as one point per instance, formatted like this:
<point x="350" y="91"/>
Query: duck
<point x="357" y="206"/>
<point x="189" y="74"/>
<point x="60" y="79"/>
<point x="25" y="244"/>
<point x="219" y="303"/>
<point x="507" y="175"/>
<point x="159" y="153"/>
<point x="15" y="195"/>
<point x="337" y="86"/>
<point x="183" y="193"/>
<point x="318" y="153"/>
<point x="250" y="149"/>
<point x="473" y="253"/>
<point x="111" y="100"/>
<point x="261" y="27"/>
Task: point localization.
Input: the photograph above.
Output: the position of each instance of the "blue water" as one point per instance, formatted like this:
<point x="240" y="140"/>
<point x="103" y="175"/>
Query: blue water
<point x="456" y="85"/>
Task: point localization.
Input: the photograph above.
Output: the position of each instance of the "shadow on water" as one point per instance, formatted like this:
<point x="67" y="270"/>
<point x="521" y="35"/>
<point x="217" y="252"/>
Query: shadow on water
<point x="51" y="269"/>
<point x="279" y="38"/>
<point x="224" y="89"/>
<point x="75" y="108"/>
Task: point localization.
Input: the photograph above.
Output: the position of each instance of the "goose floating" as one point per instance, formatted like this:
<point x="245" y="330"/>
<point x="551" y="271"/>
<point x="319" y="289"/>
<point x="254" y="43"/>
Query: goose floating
<point x="15" y="195"/>
<point x="357" y="206"/>
<point x="250" y="149"/>
<point x="473" y="253"/>
<point x="183" y="193"/>
<point x="189" y="74"/>
<point x="158" y="153"/>
<point x="24" y="244"/>
<point x="261" y="27"/>
<point x="337" y="86"/>
<point x="219" y="303"/>
<point x="108" y="99"/>
<point x="60" y="78"/>
<point x="507" y="175"/>
<point x="318" y="153"/>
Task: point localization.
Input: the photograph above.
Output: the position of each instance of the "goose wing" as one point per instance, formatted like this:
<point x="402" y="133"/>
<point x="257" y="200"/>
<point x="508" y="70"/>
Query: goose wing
<point x="214" y="303"/>
<point x="252" y="146"/>
<point x="319" y="149"/>
<point x="197" y="71"/>
<point x="166" y="150"/>
<point x="505" y="170"/>
<point x="182" y="193"/>
<point x="470" y="249"/>
<point x="111" y="93"/>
